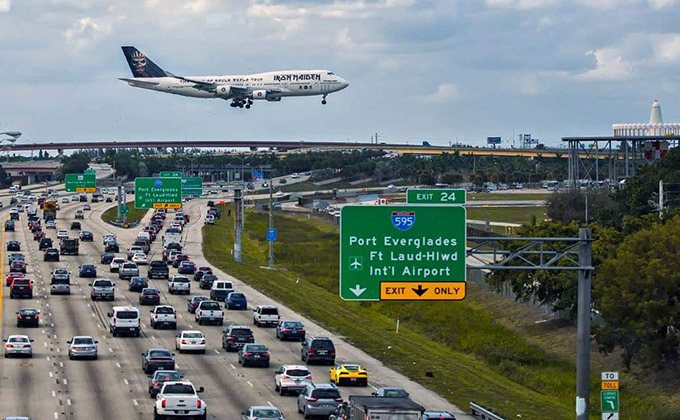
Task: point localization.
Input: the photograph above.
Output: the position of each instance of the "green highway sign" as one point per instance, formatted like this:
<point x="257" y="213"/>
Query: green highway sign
<point x="170" y="174"/>
<point x="124" y="210"/>
<point x="609" y="401"/>
<point x="80" y="182"/>
<point x="192" y="185"/>
<point x="407" y="252"/>
<point x="158" y="193"/>
<point x="90" y="171"/>
<point x="435" y="196"/>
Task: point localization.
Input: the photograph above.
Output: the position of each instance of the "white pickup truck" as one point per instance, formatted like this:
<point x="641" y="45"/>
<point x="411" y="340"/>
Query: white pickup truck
<point x="179" y="284"/>
<point x="179" y="400"/>
<point x="163" y="316"/>
<point x="266" y="315"/>
<point x="209" y="311"/>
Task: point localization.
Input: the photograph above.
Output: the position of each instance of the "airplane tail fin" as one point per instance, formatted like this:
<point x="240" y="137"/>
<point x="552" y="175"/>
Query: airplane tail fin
<point x="140" y="65"/>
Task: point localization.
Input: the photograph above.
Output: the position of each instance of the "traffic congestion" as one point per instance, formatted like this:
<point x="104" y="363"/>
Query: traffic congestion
<point x="112" y="323"/>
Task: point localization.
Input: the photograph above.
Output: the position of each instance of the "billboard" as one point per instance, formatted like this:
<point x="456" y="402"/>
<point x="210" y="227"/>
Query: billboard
<point x="493" y="140"/>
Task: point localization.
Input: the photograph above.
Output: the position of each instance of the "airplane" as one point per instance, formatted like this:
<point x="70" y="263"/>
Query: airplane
<point x="355" y="264"/>
<point x="241" y="89"/>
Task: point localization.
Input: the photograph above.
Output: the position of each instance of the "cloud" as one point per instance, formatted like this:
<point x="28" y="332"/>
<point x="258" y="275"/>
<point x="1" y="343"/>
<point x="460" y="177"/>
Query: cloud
<point x="667" y="49"/>
<point x="86" y="31"/>
<point x="5" y="5"/>
<point x="610" y="66"/>
<point x="447" y="93"/>
<point x="662" y="4"/>
<point x="522" y="4"/>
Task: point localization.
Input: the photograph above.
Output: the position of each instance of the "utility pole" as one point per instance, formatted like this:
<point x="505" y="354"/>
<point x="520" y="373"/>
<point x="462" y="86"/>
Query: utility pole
<point x="120" y="198"/>
<point x="660" y="198"/>
<point x="271" y="226"/>
<point x="585" y="260"/>
<point x="238" y="199"/>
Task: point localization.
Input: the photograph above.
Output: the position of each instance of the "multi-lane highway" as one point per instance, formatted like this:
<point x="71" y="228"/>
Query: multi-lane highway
<point x="50" y="386"/>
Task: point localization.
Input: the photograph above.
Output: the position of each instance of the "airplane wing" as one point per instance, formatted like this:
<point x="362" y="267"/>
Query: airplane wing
<point x="209" y="86"/>
<point x="137" y="82"/>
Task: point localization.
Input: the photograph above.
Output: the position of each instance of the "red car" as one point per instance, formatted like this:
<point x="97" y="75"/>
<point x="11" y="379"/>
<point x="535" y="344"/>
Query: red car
<point x="11" y="276"/>
<point x="38" y="235"/>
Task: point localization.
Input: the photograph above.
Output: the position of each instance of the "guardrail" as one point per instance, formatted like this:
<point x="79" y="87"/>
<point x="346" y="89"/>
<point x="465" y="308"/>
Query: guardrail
<point x="483" y="413"/>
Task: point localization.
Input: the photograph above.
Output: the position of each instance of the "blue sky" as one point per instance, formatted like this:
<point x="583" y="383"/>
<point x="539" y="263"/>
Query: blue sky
<point x="438" y="70"/>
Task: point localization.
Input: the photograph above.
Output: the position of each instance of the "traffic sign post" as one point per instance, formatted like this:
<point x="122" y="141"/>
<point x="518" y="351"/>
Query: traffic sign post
<point x="406" y="252"/>
<point x="170" y="174"/>
<point x="449" y="196"/>
<point x="609" y="401"/>
<point x="271" y="235"/>
<point x="124" y="210"/>
<point x="192" y="185"/>
<point x="609" y="396"/>
<point x="86" y="182"/>
<point x="158" y="193"/>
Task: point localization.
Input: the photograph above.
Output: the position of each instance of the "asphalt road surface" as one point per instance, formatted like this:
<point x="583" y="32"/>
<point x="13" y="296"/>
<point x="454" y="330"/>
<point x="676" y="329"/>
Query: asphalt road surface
<point x="50" y="386"/>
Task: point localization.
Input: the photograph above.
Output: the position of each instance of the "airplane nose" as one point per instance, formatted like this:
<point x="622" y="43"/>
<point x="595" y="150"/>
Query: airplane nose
<point x="343" y="83"/>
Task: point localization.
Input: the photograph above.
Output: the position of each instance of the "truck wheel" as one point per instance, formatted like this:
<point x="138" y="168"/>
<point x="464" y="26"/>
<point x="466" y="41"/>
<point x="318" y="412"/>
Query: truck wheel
<point x="304" y="413"/>
<point x="157" y="416"/>
<point x="202" y="416"/>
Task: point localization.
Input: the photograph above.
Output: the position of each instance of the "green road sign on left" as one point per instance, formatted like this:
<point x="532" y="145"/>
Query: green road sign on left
<point x="192" y="185"/>
<point x="170" y="174"/>
<point x="80" y="182"/>
<point x="158" y="193"/>
<point x="411" y="252"/>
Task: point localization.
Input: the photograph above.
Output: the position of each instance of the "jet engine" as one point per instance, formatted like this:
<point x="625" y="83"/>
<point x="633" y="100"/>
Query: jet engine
<point x="223" y="91"/>
<point x="260" y="94"/>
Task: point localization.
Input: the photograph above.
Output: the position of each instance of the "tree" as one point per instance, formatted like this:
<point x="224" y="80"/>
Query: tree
<point x="639" y="297"/>
<point x="74" y="164"/>
<point x="569" y="206"/>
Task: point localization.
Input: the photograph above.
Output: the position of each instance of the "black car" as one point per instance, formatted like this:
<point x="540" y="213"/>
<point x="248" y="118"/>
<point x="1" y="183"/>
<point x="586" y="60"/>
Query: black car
<point x="290" y="330"/>
<point x="27" y="317"/>
<point x="75" y="225"/>
<point x="318" y="349"/>
<point x="9" y="226"/>
<point x="14" y="246"/>
<point x="158" y="270"/>
<point x="86" y="236"/>
<point x="234" y="337"/>
<point x="206" y="281"/>
<point x="137" y="284"/>
<point x="109" y="200"/>
<point x="106" y="258"/>
<point x="88" y="270"/>
<point x="159" y="377"/>
<point x="155" y="359"/>
<point x="252" y="354"/>
<point x="51" y="254"/>
<point x="45" y="243"/>
<point x="193" y="302"/>
<point x="150" y="296"/>
<point x="178" y="260"/>
<point x="111" y="246"/>
<point x="203" y="270"/>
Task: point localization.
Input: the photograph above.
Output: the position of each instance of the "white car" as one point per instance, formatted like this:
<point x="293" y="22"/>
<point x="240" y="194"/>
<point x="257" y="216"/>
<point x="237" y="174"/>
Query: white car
<point x="134" y="250"/>
<point x="62" y="234"/>
<point x="190" y="341"/>
<point x="87" y="207"/>
<point x="51" y="224"/>
<point x="64" y="200"/>
<point x="139" y="258"/>
<point x="116" y="263"/>
<point x="18" y="345"/>
<point x="295" y="175"/>
<point x="279" y="193"/>
<point x="292" y="378"/>
<point x="179" y="284"/>
<point x="179" y="400"/>
<point x="74" y="198"/>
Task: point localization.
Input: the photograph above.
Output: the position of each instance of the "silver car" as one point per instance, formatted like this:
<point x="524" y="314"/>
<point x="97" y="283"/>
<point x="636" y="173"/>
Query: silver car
<point x="60" y="283"/>
<point x="102" y="289"/>
<point x="159" y="377"/>
<point x="18" y="345"/>
<point x="319" y="400"/>
<point x="262" y="412"/>
<point x="82" y="346"/>
<point x="292" y="378"/>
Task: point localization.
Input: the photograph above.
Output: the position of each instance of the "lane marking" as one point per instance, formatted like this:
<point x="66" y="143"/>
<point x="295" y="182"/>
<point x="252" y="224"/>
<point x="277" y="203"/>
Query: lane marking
<point x="270" y="403"/>
<point x="249" y="383"/>
<point x="48" y="358"/>
<point x="54" y="394"/>
<point x="135" y="402"/>
<point x="65" y="381"/>
<point x="68" y="401"/>
<point x="56" y="415"/>
<point x="217" y="351"/>
<point x="232" y="365"/>
<point x="371" y="385"/>
<point x="118" y="365"/>
<point x="51" y="374"/>
<point x="110" y="349"/>
<point x="126" y="382"/>
<point x="61" y="364"/>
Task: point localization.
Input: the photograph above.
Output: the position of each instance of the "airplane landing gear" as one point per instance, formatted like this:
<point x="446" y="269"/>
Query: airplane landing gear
<point x="323" y="100"/>
<point x="240" y="103"/>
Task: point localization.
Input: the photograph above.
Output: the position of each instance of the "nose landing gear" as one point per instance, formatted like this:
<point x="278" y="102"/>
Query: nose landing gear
<point x="323" y="100"/>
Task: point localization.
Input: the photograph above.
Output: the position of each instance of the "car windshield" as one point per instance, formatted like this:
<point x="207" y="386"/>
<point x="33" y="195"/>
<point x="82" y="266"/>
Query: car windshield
<point x="326" y="393"/>
<point x="60" y="271"/>
<point x="323" y="344"/>
<point x="178" y="389"/>
<point x="126" y="315"/>
<point x="193" y="335"/>
<point x="210" y="277"/>
<point x="211" y="306"/>
<point x="28" y="311"/>
<point x="165" y="376"/>
<point x="160" y="354"/>
<point x="266" y="413"/>
<point x="236" y="296"/>
<point x="180" y="280"/>
<point x="257" y="348"/>
<point x="118" y="261"/>
<point x="83" y="340"/>
<point x="199" y="299"/>
<point x="129" y="265"/>
<point x="297" y="372"/>
<point x="88" y="266"/>
<point x="165" y="310"/>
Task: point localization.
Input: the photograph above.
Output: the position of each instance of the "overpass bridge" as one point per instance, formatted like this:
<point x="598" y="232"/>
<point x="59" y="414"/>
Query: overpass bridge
<point x="296" y="145"/>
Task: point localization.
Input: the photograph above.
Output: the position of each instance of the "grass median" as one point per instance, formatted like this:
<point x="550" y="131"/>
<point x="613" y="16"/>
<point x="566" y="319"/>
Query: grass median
<point x="135" y="214"/>
<point x="471" y="355"/>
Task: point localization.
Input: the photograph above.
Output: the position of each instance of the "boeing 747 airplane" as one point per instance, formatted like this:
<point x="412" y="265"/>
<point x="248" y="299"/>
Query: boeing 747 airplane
<point x="241" y="89"/>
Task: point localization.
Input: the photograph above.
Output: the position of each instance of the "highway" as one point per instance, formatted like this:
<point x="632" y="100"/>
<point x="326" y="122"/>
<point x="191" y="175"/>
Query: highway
<point x="50" y="386"/>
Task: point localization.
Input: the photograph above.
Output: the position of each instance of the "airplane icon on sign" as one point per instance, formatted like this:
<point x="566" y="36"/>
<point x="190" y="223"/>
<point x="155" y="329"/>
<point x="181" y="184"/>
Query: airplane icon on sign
<point x="356" y="263"/>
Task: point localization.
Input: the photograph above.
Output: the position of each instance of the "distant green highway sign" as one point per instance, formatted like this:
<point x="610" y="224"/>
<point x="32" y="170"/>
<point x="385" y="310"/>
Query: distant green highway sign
<point x="86" y="182"/>
<point x="407" y="252"/>
<point x="124" y="210"/>
<point x="192" y="185"/>
<point x="170" y="174"/>
<point x="435" y="196"/>
<point x="158" y="193"/>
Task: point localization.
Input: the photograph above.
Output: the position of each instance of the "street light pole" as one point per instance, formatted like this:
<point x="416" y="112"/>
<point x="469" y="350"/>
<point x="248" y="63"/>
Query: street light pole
<point x="271" y="226"/>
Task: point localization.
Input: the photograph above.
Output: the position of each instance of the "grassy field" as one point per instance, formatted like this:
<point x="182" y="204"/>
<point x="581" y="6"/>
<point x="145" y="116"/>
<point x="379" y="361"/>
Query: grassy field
<point x="506" y="214"/>
<point x="507" y="196"/>
<point x="342" y="185"/>
<point x="473" y="355"/>
<point x="135" y="214"/>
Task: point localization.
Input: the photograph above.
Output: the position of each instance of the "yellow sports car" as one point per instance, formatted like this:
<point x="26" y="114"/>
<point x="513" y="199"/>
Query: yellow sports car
<point x="349" y="374"/>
